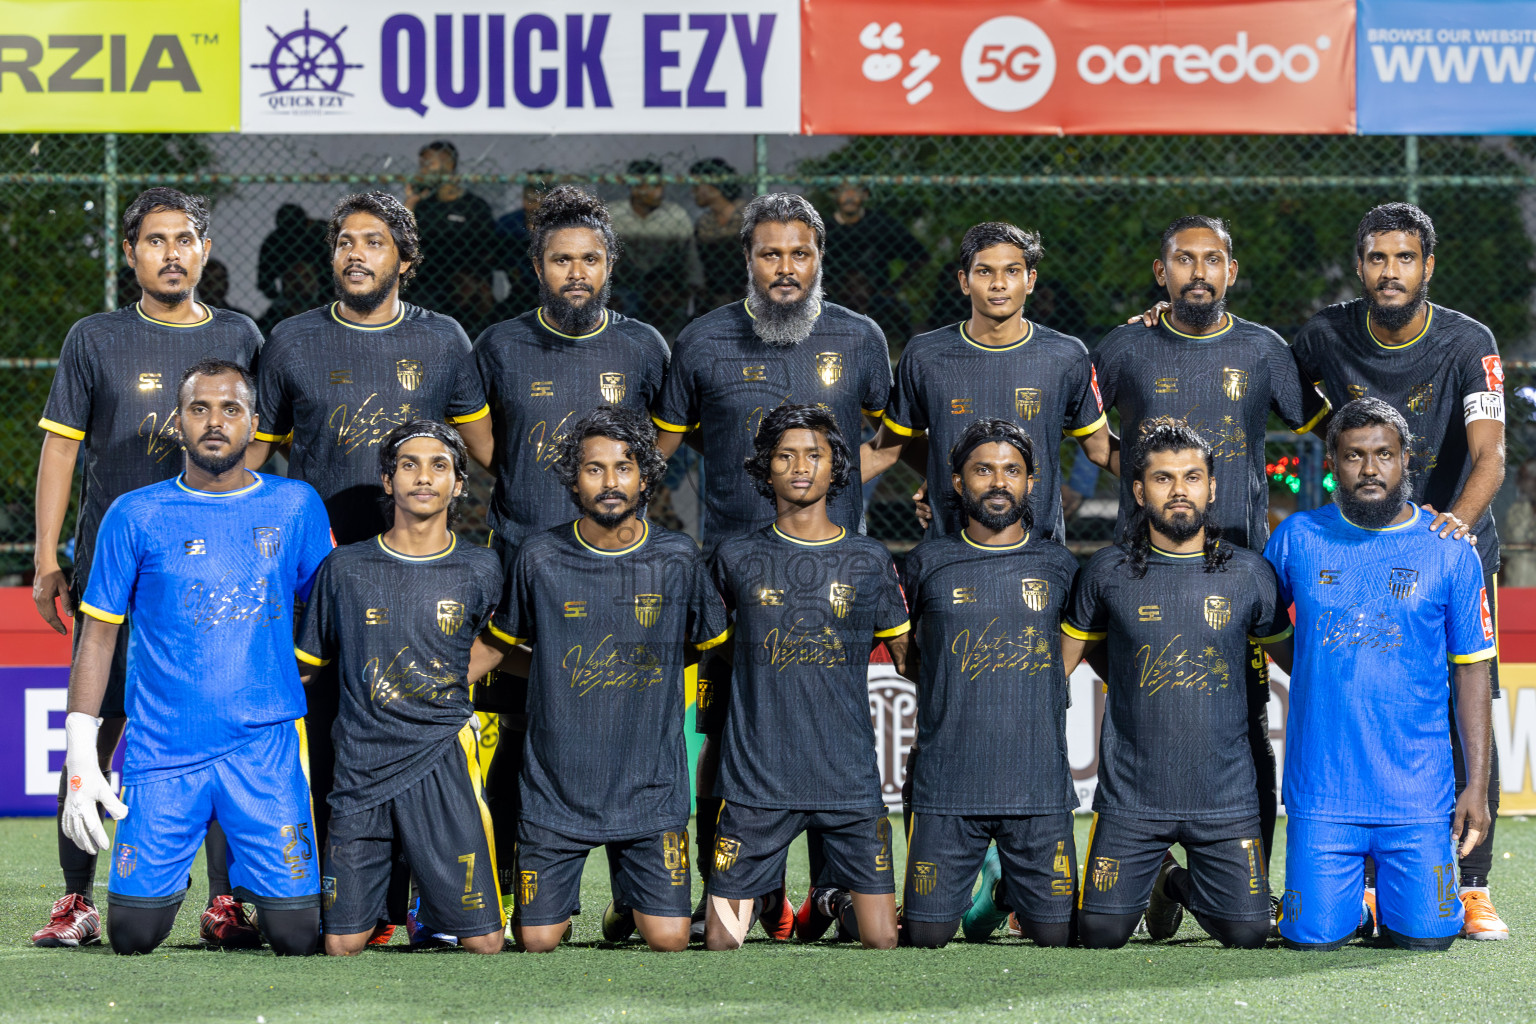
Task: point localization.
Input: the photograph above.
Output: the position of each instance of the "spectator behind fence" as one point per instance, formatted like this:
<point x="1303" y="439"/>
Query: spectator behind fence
<point x="296" y="239"/>
<point x="717" y="234"/>
<point x="213" y="289"/>
<point x="1519" y="526"/>
<point x="862" y="247"/>
<point x="453" y="223"/>
<point x="512" y="227"/>
<point x="660" y="272"/>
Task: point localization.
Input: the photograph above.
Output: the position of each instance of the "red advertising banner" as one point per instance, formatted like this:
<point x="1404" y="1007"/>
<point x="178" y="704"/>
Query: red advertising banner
<point x="1077" y="66"/>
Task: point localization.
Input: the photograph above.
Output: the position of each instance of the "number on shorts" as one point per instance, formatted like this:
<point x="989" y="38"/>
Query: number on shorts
<point x="1445" y="889"/>
<point x="1255" y="851"/>
<point x="297" y="834"/>
<point x="674" y="846"/>
<point x="1061" y="864"/>
<point x="883" y="834"/>
<point x="471" y="899"/>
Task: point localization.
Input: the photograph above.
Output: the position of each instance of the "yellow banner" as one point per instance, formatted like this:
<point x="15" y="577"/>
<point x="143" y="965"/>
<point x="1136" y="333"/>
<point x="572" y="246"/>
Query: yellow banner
<point x="119" y="66"/>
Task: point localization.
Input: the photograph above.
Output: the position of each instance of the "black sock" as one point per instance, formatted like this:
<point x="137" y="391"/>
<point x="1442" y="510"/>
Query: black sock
<point x="1177" y="886"/>
<point x="217" y="848"/>
<point x="705" y="819"/>
<point x="1370" y="873"/>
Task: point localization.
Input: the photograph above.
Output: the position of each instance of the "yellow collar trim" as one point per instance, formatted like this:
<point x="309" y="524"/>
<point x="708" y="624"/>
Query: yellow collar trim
<point x="181" y="481"/>
<point x="336" y="315"/>
<point x="841" y="533"/>
<point x="453" y="542"/>
<point x="207" y="316"/>
<point x="1175" y="554"/>
<point x="994" y="547"/>
<point x="1029" y="332"/>
<point x="1198" y="337"/>
<point x="748" y="308"/>
<point x="1386" y="529"/>
<point x="1428" y="319"/>
<point x="573" y="337"/>
<point x="645" y="534"/>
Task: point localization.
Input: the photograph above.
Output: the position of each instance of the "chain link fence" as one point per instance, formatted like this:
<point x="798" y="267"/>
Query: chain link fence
<point x="896" y="208"/>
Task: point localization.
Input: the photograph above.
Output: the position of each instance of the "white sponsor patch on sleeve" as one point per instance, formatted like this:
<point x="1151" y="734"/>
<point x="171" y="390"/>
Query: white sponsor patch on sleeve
<point x="1483" y="405"/>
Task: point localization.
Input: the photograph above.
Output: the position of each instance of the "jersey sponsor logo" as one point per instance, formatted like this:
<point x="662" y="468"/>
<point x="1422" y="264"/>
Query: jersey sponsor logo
<point x="1166" y="386"/>
<point x="829" y="367"/>
<point x="341" y="376"/>
<point x="1487" y="612"/>
<point x="647" y="609"/>
<point x="770" y="598"/>
<point x="1483" y="405"/>
<point x="1356" y="391"/>
<point x="674" y="854"/>
<point x="126" y="860"/>
<point x="960" y="406"/>
<point x="327" y="892"/>
<point x="541" y="389"/>
<point x="160" y="435"/>
<point x="1234" y="383"/>
<point x="267" y="540"/>
<point x="376" y="617"/>
<point x="450" y="616"/>
<point x="575" y="609"/>
<point x="1093" y="382"/>
<point x="1106" y="872"/>
<point x="1149" y="613"/>
<point x="841" y="596"/>
<point x="612" y="387"/>
<point x="409" y="373"/>
<point x="925" y="876"/>
<point x="149" y="382"/>
<point x="1036" y="594"/>
<point x="1493" y="371"/>
<point x="726" y="852"/>
<point x="754" y="374"/>
<point x="1421" y="397"/>
<point x="1218" y="611"/>
<point x="1026" y="402"/>
<point x="196" y="546"/>
<point x="527" y="887"/>
<point x="1401" y="583"/>
<point x="1328" y="577"/>
<point x="964" y="595"/>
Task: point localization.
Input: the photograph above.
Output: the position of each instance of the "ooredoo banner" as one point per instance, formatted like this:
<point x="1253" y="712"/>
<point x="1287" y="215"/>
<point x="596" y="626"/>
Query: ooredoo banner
<point x="1077" y="66"/>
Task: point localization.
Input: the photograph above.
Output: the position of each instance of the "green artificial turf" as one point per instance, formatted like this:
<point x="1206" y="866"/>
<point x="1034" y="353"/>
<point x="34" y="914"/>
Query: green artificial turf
<point x="1189" y="980"/>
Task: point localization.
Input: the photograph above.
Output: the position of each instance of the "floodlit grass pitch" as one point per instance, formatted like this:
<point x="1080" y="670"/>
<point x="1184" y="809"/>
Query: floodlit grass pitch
<point x="1189" y="980"/>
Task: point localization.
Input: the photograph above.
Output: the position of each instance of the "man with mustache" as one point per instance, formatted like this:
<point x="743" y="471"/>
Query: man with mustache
<point x="733" y="366"/>
<point x="1442" y="371"/>
<point x="1382" y="605"/>
<point x="544" y="371"/>
<point x="209" y="565"/>
<point x="1179" y="608"/>
<point x="112" y="403"/>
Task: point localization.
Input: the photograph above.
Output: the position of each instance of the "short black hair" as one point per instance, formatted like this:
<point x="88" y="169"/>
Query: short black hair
<point x="716" y="167"/>
<point x="781" y="208"/>
<point x="1396" y="217"/>
<point x="1369" y="412"/>
<point x="995" y="232"/>
<point x="797" y="417"/>
<point x="441" y="146"/>
<point x="1194" y="220"/>
<point x="1165" y="434"/>
<point x="632" y="429"/>
<point x="216" y="368"/>
<point x="566" y="206"/>
<point x="389" y="457"/>
<point x="401" y="221"/>
<point x="986" y="431"/>
<point x="153" y="200"/>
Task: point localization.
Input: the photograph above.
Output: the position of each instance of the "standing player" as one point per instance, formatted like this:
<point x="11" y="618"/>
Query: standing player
<point x="208" y="565"/>
<point x="810" y="599"/>
<point x="1179" y="608"/>
<point x="400" y="617"/>
<point x="997" y="365"/>
<point x="544" y="371"/>
<point x="111" y="399"/>
<point x="609" y="604"/>
<point x="734" y="365"/>
<point x="1441" y="370"/>
<point x="987" y="603"/>
<point x="1381" y="605"/>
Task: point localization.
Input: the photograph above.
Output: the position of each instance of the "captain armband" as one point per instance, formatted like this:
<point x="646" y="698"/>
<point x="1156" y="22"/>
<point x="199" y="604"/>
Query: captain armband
<point x="1483" y="405"/>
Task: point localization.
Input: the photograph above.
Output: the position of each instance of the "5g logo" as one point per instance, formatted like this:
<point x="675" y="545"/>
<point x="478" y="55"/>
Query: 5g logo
<point x="1008" y="64"/>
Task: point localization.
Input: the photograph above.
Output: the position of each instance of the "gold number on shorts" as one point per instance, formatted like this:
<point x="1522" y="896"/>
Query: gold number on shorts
<point x="472" y="900"/>
<point x="1255" y="851"/>
<point x="1061" y="865"/>
<point x="297" y="834"/>
<point x="883" y="834"/>
<point x="674" y="847"/>
<point x="1445" y="889"/>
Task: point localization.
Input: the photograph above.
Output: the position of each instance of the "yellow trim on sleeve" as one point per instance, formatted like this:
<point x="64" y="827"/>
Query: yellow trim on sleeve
<point x="478" y="414"/>
<point x="55" y="427"/>
<point x="1306" y="428"/>
<point x="1287" y="631"/>
<point x="875" y="414"/>
<point x="717" y="641"/>
<point x="310" y="659"/>
<point x="102" y="614"/>
<point x="1081" y="634"/>
<point x="505" y="637"/>
<point x="270" y="438"/>
<point x="905" y="627"/>
<point x="898" y="428"/>
<point x="1456" y="659"/>
<point x="672" y="428"/>
<point x="1090" y="428"/>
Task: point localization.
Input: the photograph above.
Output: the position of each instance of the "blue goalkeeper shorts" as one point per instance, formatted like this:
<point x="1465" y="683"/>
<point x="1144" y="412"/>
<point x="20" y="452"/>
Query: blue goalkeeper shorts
<point x="261" y="798"/>
<point x="1416" y="896"/>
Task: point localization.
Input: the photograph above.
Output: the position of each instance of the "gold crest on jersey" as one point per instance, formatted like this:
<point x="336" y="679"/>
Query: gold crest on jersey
<point x="409" y="372"/>
<point x="267" y="539"/>
<point x="925" y="876"/>
<point x="726" y="852"/>
<point x="126" y="860"/>
<point x="1420" y="398"/>
<point x="1036" y="594"/>
<point x="612" y="387"/>
<point x="527" y="887"/>
<point x="450" y="616"/>
<point x="1218" y="611"/>
<point x="327" y="892"/>
<point x="1402" y="583"/>
<point x="841" y="595"/>
<point x="1106" y="872"/>
<point x="829" y="367"/>
<point x="1234" y="383"/>
<point x="647" y="609"/>
<point x="1026" y="402"/>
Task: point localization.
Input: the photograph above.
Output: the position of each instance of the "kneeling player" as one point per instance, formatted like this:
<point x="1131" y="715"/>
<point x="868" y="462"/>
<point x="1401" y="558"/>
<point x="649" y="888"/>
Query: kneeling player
<point x="208" y="565"/>
<point x="809" y="601"/>
<point x="609" y="603"/>
<point x="400" y="614"/>
<point x="1179" y="608"/>
<point x="1383" y="604"/>
<point x="992" y="702"/>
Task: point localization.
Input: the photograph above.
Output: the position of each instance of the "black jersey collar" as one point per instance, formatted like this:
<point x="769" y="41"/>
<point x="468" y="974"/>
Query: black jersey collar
<point x="138" y="308"/>
<point x="552" y="329"/>
<point x="1163" y="318"/>
<point x="645" y="535"/>
<point x="841" y="533"/>
<point x="336" y="315"/>
<point x="1029" y="332"/>
<point x="453" y="542"/>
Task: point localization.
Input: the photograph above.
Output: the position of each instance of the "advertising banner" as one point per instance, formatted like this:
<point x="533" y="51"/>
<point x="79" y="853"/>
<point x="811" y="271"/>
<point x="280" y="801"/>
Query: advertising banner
<point x="1078" y="66"/>
<point x="1463" y="68"/>
<point x="106" y="65"/>
<point x="684" y="66"/>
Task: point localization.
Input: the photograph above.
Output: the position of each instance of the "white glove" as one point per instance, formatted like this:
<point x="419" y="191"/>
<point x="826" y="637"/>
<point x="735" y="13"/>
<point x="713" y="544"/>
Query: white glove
<point x="86" y="786"/>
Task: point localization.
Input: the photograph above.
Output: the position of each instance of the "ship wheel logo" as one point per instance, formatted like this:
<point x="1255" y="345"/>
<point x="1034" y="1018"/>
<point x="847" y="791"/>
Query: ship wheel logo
<point x="306" y="60"/>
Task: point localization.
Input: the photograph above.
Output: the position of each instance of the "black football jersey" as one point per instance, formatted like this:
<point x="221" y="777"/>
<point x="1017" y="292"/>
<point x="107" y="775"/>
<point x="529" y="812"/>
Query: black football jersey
<point x="606" y="758"/>
<point x="806" y="615"/>
<point x="1430" y="380"/>
<point x="724" y="380"/>
<point x="115" y="393"/>
<point x="1174" y="743"/>
<point x="991" y="697"/>
<point x="338" y="388"/>
<point x="398" y="628"/>
<point x="1224" y="386"/>
<point x="540" y="382"/>
<point x="1044" y="383"/>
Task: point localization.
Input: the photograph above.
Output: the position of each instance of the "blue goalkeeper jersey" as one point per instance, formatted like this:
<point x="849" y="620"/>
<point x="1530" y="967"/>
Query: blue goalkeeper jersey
<point x="209" y="581"/>
<point x="1378" y="615"/>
